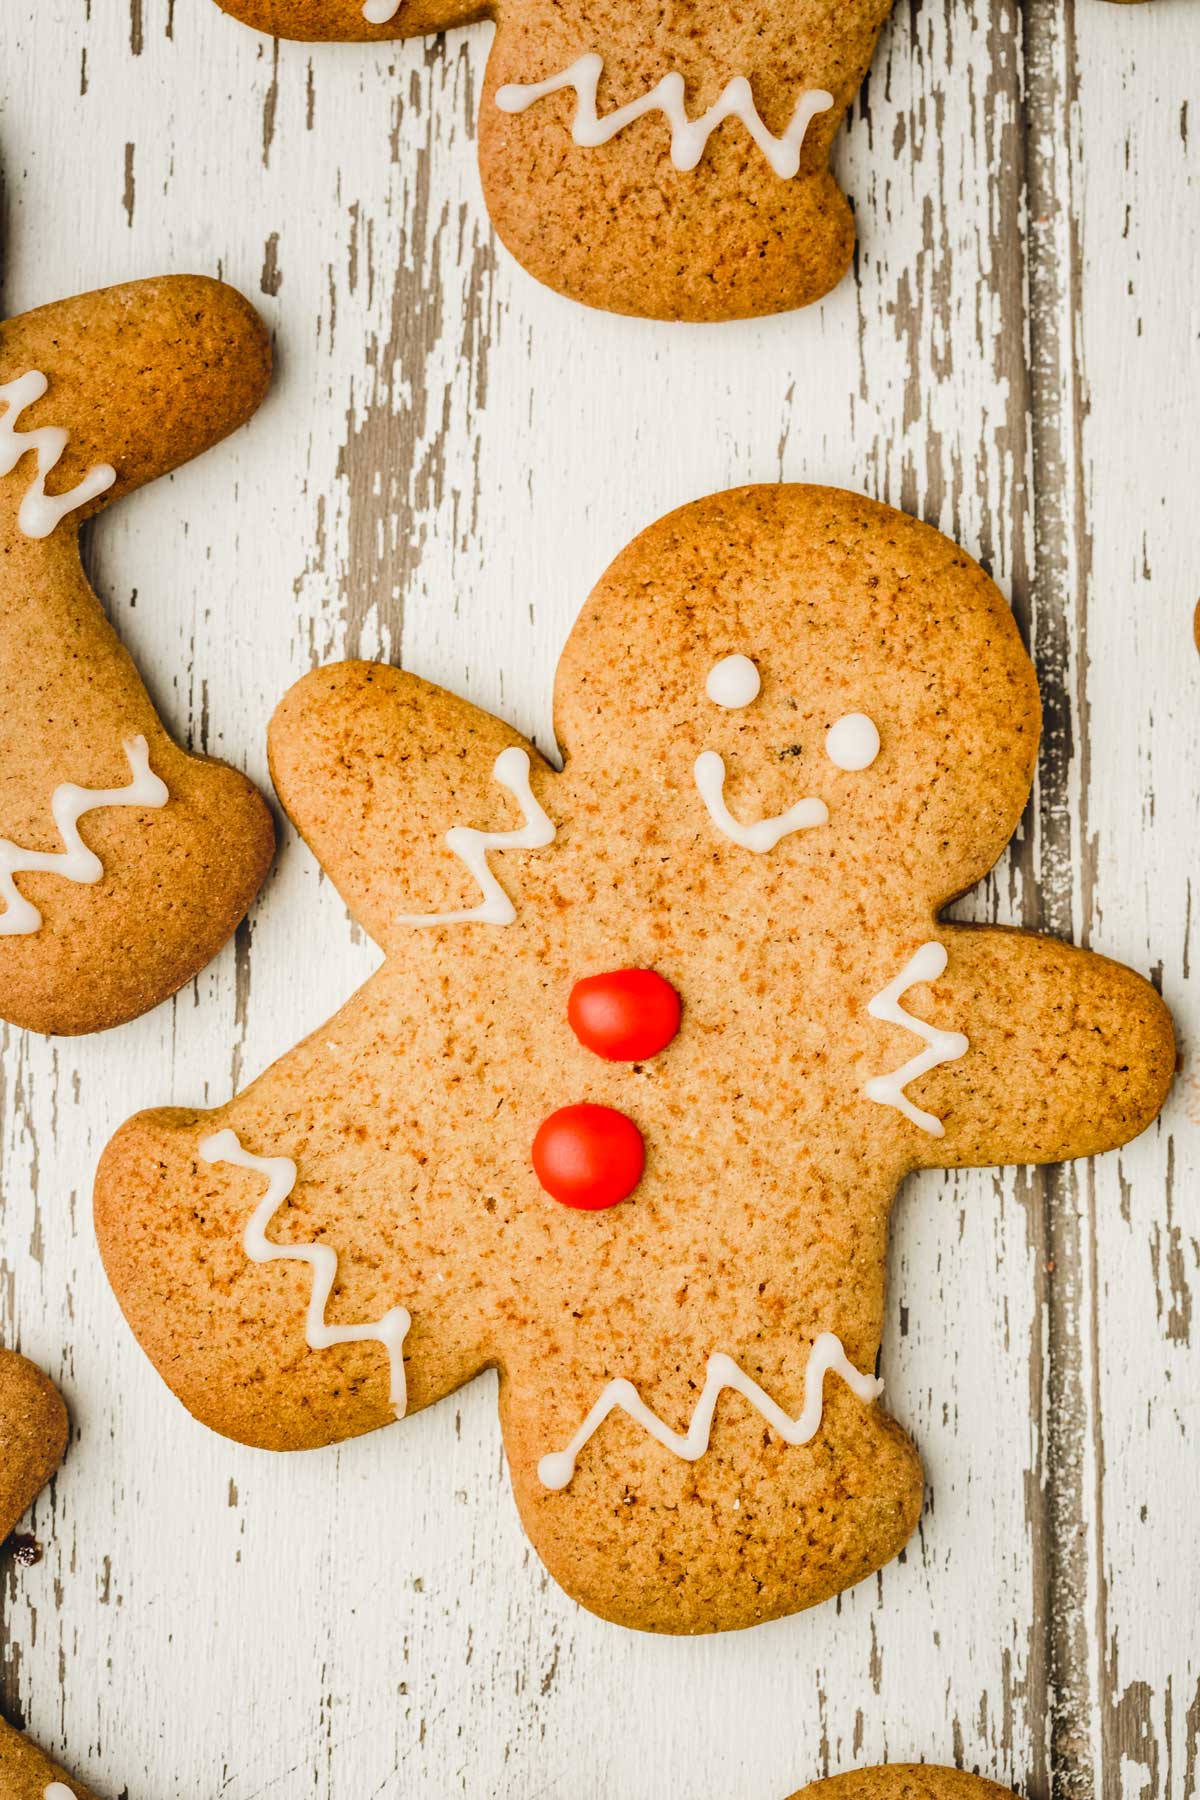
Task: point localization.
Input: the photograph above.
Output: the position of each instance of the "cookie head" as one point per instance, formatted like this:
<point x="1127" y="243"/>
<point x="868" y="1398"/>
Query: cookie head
<point x="825" y="684"/>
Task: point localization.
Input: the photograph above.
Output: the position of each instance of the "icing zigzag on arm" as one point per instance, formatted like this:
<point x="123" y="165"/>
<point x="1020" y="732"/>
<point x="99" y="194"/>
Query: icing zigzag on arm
<point x="689" y="137"/>
<point x="943" y="1046"/>
<point x="511" y="770"/>
<point x="75" y="862"/>
<point x="41" y="512"/>
<point x="827" y="1357"/>
<point x="279" y="1173"/>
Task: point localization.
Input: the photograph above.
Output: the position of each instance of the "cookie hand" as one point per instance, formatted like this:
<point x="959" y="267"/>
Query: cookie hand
<point x="1068" y="1054"/>
<point x="406" y="794"/>
<point x="131" y="381"/>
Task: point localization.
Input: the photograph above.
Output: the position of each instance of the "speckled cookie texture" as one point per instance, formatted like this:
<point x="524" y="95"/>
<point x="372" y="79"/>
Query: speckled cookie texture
<point x="33" y="1440"/>
<point x="904" y="1781"/>
<point x="681" y="212"/>
<point x="876" y="722"/>
<point x="113" y="897"/>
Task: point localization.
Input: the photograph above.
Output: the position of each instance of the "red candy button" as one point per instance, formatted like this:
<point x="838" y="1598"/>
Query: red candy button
<point x="626" y="1016"/>
<point x="588" y="1156"/>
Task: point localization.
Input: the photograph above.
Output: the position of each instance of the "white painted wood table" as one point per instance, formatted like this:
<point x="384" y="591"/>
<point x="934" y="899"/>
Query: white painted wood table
<point x="449" y="458"/>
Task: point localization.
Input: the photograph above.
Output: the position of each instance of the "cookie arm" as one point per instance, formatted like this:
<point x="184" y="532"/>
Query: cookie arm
<point x="140" y="378"/>
<point x="1069" y="1053"/>
<point x="376" y="767"/>
<point x="33" y="1436"/>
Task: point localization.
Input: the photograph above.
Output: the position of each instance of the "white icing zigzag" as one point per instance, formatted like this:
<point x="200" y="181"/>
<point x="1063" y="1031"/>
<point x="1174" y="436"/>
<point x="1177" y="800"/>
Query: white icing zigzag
<point x="279" y="1172"/>
<point x="689" y="137"/>
<point x="76" y="862"/>
<point x="511" y="770"/>
<point x="40" y="512"/>
<point x="827" y="1357"/>
<point x="943" y="1046"/>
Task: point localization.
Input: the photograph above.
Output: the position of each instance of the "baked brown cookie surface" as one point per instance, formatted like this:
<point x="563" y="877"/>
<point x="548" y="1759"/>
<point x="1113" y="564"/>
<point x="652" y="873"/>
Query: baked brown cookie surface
<point x="125" y="861"/>
<point x="33" y="1441"/>
<point x="671" y="162"/>
<point x="702" y="968"/>
<point x="33" y="1433"/>
<point x="904" y="1781"/>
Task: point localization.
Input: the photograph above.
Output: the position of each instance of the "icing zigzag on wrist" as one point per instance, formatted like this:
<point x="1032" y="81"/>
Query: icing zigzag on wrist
<point x="40" y="512"/>
<point x="511" y="770"/>
<point x="942" y="1046"/>
<point x="827" y="1357"/>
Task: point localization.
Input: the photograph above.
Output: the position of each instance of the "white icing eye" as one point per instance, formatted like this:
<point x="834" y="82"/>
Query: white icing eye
<point x="733" y="682"/>
<point x="853" y="742"/>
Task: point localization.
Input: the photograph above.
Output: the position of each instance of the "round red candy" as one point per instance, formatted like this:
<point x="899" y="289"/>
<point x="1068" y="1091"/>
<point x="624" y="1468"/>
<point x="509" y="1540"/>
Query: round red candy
<point x="627" y="1015"/>
<point x="588" y="1156"/>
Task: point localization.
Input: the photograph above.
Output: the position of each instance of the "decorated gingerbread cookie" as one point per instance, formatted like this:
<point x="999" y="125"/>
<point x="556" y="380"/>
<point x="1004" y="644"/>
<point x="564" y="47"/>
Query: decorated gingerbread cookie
<point x="33" y="1440"/>
<point x="667" y="161"/>
<point x="657" y="1039"/>
<point x="125" y="861"/>
<point x="904" y="1781"/>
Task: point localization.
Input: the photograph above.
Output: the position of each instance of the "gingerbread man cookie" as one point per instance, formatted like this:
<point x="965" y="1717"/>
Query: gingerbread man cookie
<point x="904" y="1781"/>
<point x="33" y="1441"/>
<point x="671" y="162"/>
<point x="657" y="1039"/>
<point x="125" y="861"/>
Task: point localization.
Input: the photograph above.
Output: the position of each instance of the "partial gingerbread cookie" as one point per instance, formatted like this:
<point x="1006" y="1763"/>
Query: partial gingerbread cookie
<point x="657" y="1039"/>
<point x="125" y="861"/>
<point x="904" y="1781"/>
<point x="667" y="161"/>
<point x="33" y="1441"/>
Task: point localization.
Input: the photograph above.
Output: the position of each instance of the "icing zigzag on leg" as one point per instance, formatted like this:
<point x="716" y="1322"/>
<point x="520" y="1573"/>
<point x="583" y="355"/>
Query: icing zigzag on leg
<point x="75" y="862"/>
<point x="689" y="137"/>
<point x="827" y="1357"/>
<point x="279" y="1172"/>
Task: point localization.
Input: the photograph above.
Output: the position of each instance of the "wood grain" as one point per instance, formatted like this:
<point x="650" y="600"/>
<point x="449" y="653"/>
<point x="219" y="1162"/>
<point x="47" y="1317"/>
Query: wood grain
<point x="448" y="460"/>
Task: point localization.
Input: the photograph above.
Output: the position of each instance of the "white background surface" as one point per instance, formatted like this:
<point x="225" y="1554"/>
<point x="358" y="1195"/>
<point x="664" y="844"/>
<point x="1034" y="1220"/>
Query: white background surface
<point x="447" y="461"/>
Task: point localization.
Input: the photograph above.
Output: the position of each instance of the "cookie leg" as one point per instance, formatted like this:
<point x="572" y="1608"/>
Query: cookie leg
<point x="753" y="1529"/>
<point x="1068" y="1054"/>
<point x="125" y="862"/>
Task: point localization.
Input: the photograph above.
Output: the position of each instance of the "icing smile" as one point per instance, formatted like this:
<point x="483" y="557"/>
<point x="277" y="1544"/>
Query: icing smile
<point x="764" y="834"/>
<point x="852" y="743"/>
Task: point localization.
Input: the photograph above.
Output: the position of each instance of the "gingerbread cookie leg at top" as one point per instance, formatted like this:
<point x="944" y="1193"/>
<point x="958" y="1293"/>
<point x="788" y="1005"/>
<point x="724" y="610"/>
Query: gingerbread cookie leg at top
<point x="673" y="163"/>
<point x="125" y="861"/>
<point x="625" y="1109"/>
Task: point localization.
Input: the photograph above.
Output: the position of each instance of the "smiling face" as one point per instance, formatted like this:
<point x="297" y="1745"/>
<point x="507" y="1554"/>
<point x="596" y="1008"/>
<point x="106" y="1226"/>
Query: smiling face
<point x="866" y="677"/>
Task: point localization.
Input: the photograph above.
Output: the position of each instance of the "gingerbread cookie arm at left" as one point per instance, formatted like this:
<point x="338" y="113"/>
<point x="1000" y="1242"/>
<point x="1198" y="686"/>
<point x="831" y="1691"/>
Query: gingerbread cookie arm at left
<point x="425" y="811"/>
<point x="994" y="1046"/>
<point x="125" y="861"/>
<point x="33" y="1440"/>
